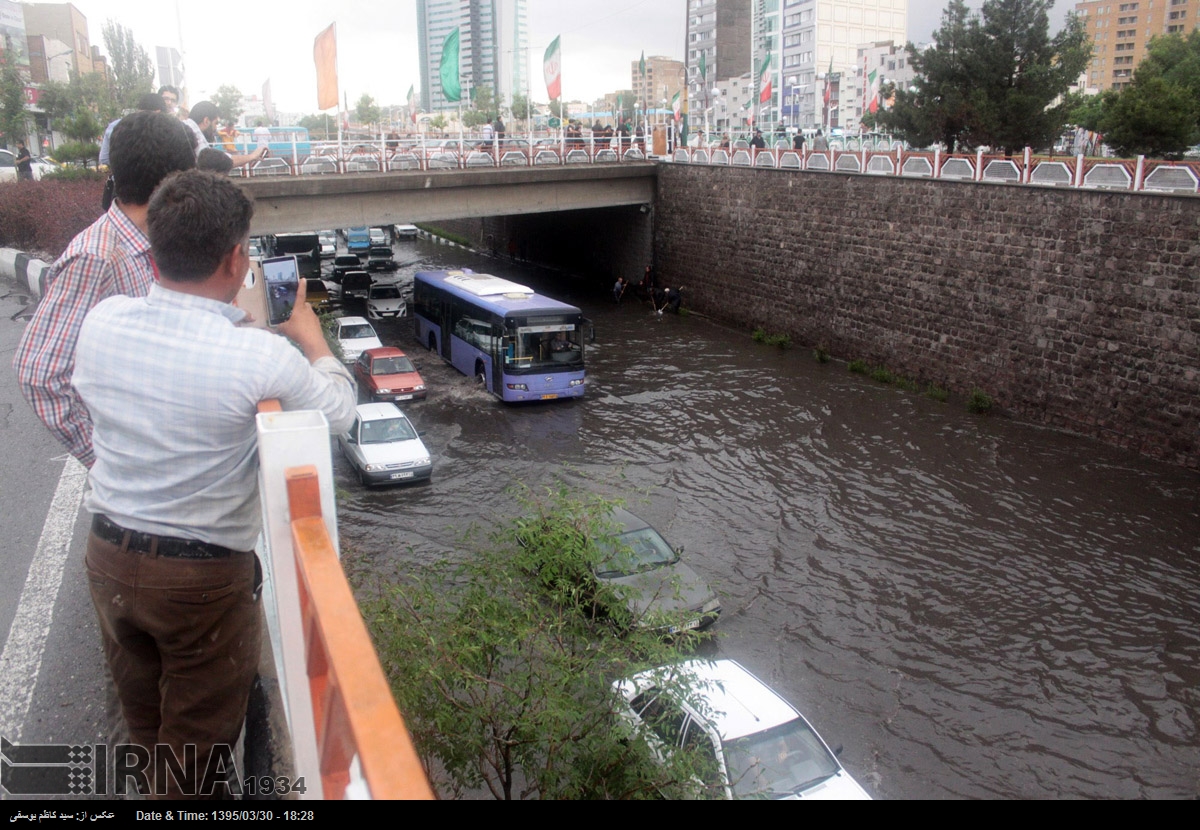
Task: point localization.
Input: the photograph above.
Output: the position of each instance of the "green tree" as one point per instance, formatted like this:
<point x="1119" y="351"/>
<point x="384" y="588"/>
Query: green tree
<point x="228" y="100"/>
<point x="1020" y="72"/>
<point x="934" y="108"/>
<point x="522" y="107"/>
<point x="996" y="78"/>
<point x="558" y="109"/>
<point x="1087" y="111"/>
<point x="319" y="126"/>
<point x="130" y="66"/>
<point x="438" y="122"/>
<point x="366" y="111"/>
<point x="1152" y="117"/>
<point x="502" y="665"/>
<point x="82" y="126"/>
<point x="1158" y="114"/>
<point x="12" y="105"/>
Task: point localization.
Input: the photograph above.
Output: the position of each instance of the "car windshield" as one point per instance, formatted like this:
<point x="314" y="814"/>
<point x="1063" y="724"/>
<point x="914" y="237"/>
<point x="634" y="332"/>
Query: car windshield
<point x="392" y="366"/>
<point x="386" y="292"/>
<point x="357" y="332"/>
<point x="635" y="552"/>
<point x="386" y="431"/>
<point x="783" y="761"/>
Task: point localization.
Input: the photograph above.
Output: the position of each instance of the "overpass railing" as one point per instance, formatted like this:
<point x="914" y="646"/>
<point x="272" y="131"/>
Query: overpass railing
<point x="348" y="739"/>
<point x="450" y="154"/>
<point x="1140" y="174"/>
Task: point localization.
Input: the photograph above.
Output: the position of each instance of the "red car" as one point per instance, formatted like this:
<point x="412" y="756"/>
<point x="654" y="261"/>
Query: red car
<point x="386" y="374"/>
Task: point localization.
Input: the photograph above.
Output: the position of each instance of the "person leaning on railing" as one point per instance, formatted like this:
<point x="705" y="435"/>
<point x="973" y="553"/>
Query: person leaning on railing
<point x="173" y="381"/>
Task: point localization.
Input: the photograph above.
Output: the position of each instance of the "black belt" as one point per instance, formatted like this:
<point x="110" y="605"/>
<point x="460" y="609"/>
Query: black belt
<point x="139" y="542"/>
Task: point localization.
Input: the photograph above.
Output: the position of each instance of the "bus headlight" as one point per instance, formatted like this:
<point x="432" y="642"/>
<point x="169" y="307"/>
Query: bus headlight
<point x="578" y="382"/>
<point x="518" y="387"/>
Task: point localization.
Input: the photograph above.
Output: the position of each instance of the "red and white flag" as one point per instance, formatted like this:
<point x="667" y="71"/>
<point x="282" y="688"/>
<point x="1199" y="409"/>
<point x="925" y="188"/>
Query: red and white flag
<point x="552" y="68"/>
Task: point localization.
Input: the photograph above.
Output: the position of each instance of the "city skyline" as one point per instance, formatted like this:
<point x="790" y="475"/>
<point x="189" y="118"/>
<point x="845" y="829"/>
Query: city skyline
<point x="379" y="51"/>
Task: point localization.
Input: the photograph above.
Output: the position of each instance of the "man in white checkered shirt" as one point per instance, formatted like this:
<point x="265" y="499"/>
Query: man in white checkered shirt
<point x="173" y="383"/>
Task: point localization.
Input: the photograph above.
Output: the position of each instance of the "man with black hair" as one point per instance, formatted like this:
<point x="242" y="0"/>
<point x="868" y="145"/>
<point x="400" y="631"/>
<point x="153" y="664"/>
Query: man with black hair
<point x="203" y="120"/>
<point x="24" y="163"/>
<point x="170" y="97"/>
<point x="110" y="257"/>
<point x="173" y="383"/>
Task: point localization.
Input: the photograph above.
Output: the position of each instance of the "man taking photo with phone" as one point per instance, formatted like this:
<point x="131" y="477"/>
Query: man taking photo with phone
<point x="173" y="382"/>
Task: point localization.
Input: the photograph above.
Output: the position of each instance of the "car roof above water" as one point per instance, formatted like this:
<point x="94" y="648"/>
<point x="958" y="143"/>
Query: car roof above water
<point x="738" y="703"/>
<point x="379" y="411"/>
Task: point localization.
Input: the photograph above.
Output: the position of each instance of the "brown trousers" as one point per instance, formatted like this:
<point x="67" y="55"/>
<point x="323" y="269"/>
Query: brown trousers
<point x="182" y="638"/>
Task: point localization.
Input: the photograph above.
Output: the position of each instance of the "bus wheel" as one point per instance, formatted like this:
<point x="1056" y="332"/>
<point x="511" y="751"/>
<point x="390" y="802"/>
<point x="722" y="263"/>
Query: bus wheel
<point x="432" y="342"/>
<point x="480" y="375"/>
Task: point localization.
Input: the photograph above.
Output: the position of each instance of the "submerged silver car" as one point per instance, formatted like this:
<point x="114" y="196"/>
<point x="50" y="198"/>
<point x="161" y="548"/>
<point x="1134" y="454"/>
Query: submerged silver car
<point x="653" y="580"/>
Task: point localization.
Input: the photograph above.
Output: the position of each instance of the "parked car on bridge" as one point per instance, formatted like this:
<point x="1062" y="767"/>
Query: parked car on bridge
<point x="387" y="374"/>
<point x="760" y="746"/>
<point x="383" y="447"/>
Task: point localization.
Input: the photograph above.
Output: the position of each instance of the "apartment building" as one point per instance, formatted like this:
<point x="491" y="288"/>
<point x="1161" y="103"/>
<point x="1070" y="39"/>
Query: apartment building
<point x="1122" y="32"/>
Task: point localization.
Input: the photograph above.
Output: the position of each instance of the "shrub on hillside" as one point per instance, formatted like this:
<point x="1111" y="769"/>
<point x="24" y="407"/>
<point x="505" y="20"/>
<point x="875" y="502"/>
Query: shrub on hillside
<point x="42" y="217"/>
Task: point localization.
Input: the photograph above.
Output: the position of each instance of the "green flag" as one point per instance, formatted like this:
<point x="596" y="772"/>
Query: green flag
<point x="642" y="64"/>
<point x="703" y="67"/>
<point x="451" y="88"/>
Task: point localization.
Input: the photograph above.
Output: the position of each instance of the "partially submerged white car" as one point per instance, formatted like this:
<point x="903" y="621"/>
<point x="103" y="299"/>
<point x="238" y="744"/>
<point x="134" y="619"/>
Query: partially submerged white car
<point x="355" y="336"/>
<point x="762" y="746"/>
<point x="384" y="448"/>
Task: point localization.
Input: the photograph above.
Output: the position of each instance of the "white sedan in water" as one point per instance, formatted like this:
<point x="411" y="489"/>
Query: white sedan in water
<point x="752" y="742"/>
<point x="355" y="336"/>
<point x="384" y="448"/>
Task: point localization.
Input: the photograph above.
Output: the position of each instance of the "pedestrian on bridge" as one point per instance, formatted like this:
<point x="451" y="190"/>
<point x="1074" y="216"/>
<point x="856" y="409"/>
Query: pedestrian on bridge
<point x="110" y="257"/>
<point x="170" y="558"/>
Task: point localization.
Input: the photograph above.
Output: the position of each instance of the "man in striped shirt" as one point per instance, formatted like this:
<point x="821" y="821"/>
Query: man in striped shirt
<point x="111" y="257"/>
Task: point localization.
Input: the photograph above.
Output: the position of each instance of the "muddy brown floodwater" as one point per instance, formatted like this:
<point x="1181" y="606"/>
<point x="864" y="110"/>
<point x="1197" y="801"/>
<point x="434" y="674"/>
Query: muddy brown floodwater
<point x="973" y="608"/>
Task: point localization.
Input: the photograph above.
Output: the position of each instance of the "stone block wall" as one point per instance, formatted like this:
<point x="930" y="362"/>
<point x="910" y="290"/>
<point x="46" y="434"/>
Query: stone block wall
<point x="1076" y="309"/>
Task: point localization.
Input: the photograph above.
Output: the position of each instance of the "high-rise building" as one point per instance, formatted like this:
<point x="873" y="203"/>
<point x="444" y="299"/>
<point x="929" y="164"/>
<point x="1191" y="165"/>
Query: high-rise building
<point x="1121" y="32"/>
<point x="494" y="42"/>
<point x="821" y="60"/>
<point x="809" y="47"/>
<point x="657" y="88"/>
<point x="719" y="31"/>
<point x="62" y="22"/>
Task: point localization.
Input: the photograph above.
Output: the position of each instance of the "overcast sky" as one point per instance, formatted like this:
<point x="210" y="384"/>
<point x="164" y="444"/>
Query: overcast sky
<point x="244" y="44"/>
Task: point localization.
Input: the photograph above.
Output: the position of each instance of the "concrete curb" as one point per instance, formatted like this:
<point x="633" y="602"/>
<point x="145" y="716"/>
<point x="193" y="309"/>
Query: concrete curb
<point x="24" y="269"/>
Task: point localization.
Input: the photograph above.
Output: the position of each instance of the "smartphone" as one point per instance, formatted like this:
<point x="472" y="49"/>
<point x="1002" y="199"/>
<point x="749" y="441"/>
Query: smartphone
<point x="281" y="276"/>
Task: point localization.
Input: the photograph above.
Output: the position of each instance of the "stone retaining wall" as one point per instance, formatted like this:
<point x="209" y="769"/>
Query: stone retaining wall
<point x="1076" y="309"/>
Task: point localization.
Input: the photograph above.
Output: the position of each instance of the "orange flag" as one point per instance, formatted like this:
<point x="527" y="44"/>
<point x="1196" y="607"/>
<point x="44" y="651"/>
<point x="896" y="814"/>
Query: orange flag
<point x="325" y="57"/>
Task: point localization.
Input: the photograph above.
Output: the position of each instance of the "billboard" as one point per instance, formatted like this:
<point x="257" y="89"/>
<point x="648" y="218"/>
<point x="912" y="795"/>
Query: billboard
<point x="12" y="34"/>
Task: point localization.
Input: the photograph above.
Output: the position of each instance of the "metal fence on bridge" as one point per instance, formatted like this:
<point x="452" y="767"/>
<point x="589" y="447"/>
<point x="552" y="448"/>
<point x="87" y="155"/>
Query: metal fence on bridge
<point x="1140" y="174"/>
<point x="449" y="154"/>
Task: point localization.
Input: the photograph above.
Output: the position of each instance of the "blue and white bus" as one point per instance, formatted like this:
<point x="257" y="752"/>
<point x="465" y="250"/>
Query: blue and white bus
<point x="286" y="142"/>
<point x="520" y="345"/>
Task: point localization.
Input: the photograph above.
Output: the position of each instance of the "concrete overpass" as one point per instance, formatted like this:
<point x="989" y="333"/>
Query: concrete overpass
<point x="305" y="203"/>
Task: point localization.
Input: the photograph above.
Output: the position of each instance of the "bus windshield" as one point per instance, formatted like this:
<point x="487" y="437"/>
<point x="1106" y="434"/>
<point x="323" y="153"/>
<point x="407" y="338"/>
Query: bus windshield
<point x="550" y="345"/>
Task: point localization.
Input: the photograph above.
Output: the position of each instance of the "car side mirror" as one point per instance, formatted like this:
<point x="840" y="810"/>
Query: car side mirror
<point x="351" y="438"/>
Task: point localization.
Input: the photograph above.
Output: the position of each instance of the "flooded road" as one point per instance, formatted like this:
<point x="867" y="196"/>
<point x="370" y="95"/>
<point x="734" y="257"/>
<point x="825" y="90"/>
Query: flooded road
<point x="974" y="608"/>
